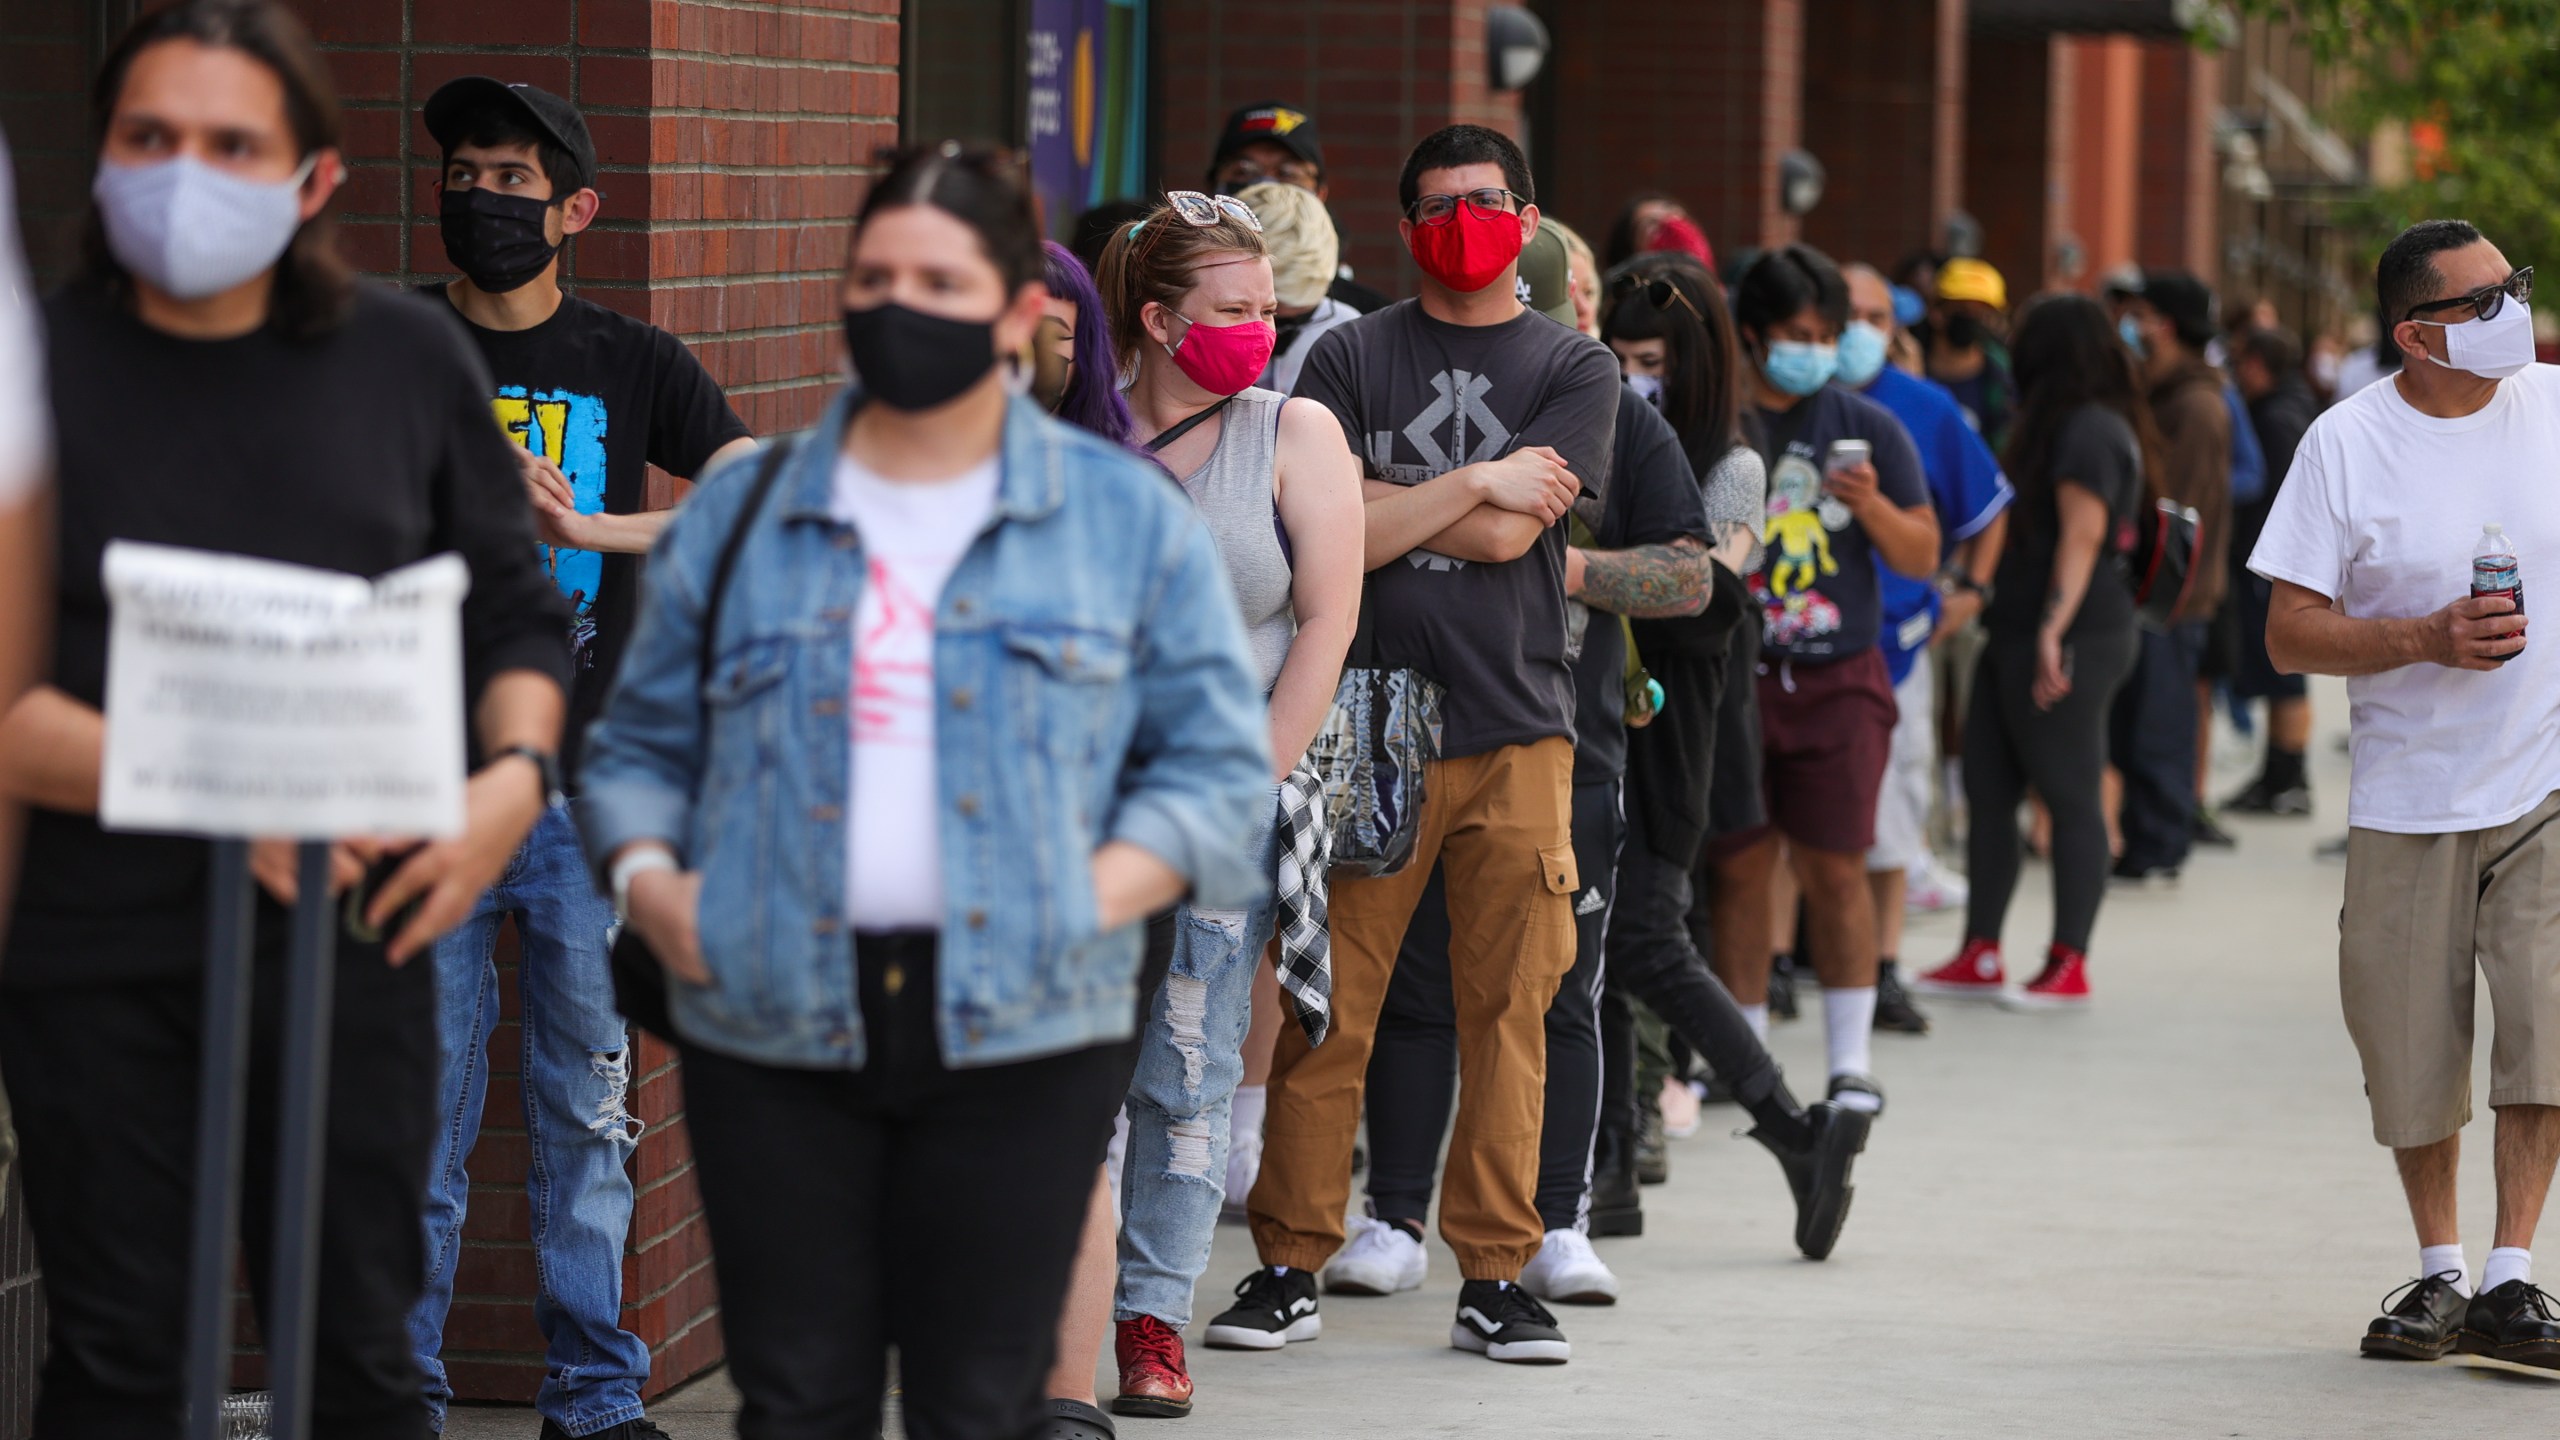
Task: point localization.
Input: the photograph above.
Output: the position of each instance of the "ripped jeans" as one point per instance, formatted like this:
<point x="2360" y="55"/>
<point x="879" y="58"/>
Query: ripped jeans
<point x="1190" y="1060"/>
<point x="574" y="1056"/>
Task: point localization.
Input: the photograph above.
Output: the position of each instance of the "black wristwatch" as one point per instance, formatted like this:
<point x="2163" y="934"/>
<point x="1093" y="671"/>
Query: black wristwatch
<point x="544" y="761"/>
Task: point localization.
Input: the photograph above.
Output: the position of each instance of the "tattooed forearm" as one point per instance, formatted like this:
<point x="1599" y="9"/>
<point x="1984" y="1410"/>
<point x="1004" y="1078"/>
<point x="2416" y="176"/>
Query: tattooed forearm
<point x="1650" y="582"/>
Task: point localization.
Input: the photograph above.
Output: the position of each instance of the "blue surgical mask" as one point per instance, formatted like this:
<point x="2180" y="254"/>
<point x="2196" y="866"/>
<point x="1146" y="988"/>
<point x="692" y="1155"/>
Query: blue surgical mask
<point x="2132" y="334"/>
<point x="1862" y="349"/>
<point x="1800" y="368"/>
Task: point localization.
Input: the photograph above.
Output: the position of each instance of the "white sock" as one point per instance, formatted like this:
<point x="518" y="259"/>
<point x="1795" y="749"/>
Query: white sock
<point x="1849" y="1023"/>
<point x="2506" y="1263"/>
<point x="1758" y="1015"/>
<point x="2437" y="1259"/>
<point x="1246" y="1117"/>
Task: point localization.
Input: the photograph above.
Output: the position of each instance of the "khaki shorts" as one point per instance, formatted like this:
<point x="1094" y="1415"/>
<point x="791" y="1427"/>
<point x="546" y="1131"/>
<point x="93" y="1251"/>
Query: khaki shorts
<point x="2425" y="917"/>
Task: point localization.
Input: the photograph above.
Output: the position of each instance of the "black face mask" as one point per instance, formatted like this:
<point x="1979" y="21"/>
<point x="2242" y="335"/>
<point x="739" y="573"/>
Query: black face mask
<point x="496" y="239"/>
<point x="1962" y="331"/>
<point x="909" y="360"/>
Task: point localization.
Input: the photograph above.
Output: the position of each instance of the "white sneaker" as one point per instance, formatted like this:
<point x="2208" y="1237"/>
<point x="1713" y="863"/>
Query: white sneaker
<point x="1930" y="890"/>
<point x="1244" y="1166"/>
<point x="1566" y="1271"/>
<point x="1378" y="1259"/>
<point x="1679" y="1108"/>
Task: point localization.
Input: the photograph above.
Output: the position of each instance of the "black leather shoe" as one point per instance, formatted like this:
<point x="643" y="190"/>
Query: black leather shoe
<point x="1894" y="1010"/>
<point x="2418" y="1321"/>
<point x="2514" y="1323"/>
<point x="1616" y="1208"/>
<point x="1818" y="1172"/>
<point x="1653" y="1148"/>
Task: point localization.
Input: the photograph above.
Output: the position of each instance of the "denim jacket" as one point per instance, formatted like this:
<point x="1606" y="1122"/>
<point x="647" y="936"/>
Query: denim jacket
<point x="1092" y="684"/>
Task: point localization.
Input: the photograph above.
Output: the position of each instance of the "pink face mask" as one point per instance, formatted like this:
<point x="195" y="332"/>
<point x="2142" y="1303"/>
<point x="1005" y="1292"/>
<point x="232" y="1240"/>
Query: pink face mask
<point x="1223" y="359"/>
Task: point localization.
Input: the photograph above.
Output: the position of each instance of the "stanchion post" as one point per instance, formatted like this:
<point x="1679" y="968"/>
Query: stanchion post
<point x="302" y="1143"/>
<point x="221" y="1116"/>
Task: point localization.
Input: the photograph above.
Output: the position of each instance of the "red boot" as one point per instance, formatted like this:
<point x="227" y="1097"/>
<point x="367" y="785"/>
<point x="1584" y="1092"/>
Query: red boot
<point x="2064" y="985"/>
<point x="1975" y="971"/>
<point x="1153" y="1378"/>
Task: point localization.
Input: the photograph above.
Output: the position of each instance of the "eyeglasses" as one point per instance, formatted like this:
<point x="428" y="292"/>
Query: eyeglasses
<point x="1203" y="211"/>
<point x="2486" y="301"/>
<point x="1658" y="292"/>
<point x="1483" y="204"/>
<point x="1240" y="173"/>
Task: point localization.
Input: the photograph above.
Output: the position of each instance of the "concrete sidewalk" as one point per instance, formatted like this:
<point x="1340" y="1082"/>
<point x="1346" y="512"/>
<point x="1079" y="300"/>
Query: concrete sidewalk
<point x="2163" y="1217"/>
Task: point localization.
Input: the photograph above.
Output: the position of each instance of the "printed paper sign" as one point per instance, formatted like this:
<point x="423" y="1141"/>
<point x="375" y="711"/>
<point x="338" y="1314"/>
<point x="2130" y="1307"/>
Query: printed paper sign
<point x="254" y="698"/>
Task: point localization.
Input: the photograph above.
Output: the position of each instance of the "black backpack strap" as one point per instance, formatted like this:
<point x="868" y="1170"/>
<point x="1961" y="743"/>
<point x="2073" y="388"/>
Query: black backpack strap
<point x="768" y="469"/>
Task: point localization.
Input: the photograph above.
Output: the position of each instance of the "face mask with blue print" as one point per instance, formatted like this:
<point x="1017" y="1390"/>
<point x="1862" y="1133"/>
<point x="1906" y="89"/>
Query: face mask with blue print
<point x="2132" y="334"/>
<point x="1862" y="348"/>
<point x="1648" y="386"/>
<point x="1800" y="368"/>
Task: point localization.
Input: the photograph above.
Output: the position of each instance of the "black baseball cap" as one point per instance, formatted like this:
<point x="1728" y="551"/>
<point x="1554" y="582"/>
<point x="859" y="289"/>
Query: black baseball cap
<point x="2182" y="300"/>
<point x="458" y="105"/>
<point x="1292" y="129"/>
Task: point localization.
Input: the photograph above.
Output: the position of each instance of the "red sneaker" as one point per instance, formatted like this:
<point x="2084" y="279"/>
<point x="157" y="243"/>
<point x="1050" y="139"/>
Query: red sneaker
<point x="1974" y="971"/>
<point x="2064" y="985"/>
<point x="1153" y="1380"/>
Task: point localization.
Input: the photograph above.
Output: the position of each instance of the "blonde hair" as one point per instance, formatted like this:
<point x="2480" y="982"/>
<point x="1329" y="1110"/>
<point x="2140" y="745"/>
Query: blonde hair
<point x="1154" y="260"/>
<point x="1306" y="254"/>
<point x="1576" y="249"/>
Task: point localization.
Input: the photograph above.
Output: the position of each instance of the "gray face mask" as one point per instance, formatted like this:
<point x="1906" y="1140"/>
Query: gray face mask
<point x="192" y="231"/>
<point x="1648" y="386"/>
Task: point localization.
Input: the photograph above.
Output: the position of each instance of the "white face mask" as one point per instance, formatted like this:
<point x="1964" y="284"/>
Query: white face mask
<point x="1648" y="386"/>
<point x="2492" y="349"/>
<point x="193" y="231"/>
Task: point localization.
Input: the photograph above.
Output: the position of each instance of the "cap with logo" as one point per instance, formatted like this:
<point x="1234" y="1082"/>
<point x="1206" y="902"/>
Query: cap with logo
<point x="1546" y="276"/>
<point x="1273" y="123"/>
<point x="1968" y="279"/>
<point x="458" y="105"/>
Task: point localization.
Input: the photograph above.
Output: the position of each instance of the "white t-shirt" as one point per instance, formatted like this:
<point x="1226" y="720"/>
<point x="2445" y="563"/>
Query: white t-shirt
<point x="913" y="535"/>
<point x="2381" y="513"/>
<point x="26" y="429"/>
<point x="1282" y="373"/>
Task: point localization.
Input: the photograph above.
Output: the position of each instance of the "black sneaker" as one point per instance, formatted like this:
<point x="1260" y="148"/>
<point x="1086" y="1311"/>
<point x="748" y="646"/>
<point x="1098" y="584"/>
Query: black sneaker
<point x="1617" y="1210"/>
<point x="2418" y="1321"/>
<point x="2265" y="797"/>
<point x="2205" y="829"/>
<point x="2514" y="1323"/>
<point x="1817" y="1166"/>
<point x="1782" y="987"/>
<point x="1653" y="1148"/>
<point x="1894" y="1010"/>
<point x="2133" y="873"/>
<point x="1505" y="1322"/>
<point x="1274" y="1305"/>
<point x="643" y="1428"/>
<point x="1859" y="1085"/>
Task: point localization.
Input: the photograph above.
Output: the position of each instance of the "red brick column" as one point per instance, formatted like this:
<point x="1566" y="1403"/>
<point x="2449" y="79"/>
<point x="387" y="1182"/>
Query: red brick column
<point x="2016" y="152"/>
<point x="1884" y="84"/>
<point x="2180" y="212"/>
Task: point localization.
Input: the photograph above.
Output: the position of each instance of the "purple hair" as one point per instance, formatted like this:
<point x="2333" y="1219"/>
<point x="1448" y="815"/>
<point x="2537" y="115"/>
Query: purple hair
<point x="1093" y="398"/>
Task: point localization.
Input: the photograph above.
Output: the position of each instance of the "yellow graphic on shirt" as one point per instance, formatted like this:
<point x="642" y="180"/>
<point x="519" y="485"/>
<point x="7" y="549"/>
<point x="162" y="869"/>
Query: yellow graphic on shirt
<point x="540" y="426"/>
<point x="1802" y="551"/>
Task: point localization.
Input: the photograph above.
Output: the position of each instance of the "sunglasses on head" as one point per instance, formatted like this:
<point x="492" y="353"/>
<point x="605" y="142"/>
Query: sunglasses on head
<point x="1659" y="292"/>
<point x="1203" y="211"/>
<point x="2486" y="301"/>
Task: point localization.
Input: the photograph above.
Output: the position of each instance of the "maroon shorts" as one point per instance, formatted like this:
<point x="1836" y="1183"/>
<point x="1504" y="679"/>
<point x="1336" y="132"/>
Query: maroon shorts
<point x="1826" y="732"/>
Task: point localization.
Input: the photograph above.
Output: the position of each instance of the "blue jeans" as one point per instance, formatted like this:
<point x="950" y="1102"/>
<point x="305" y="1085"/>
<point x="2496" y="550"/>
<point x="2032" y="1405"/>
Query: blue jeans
<point x="578" y="1131"/>
<point x="1173" y="1180"/>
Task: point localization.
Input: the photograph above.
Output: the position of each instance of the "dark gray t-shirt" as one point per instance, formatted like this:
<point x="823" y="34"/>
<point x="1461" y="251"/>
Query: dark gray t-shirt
<point x="2095" y="450"/>
<point x="1419" y="398"/>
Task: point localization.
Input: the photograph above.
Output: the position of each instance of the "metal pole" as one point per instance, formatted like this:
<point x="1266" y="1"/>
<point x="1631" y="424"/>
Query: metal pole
<point x="301" y="1144"/>
<point x="221" y="1118"/>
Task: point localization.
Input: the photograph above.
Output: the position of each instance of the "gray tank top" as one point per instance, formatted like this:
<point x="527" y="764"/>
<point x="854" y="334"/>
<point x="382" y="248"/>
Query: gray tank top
<point x="1233" y="491"/>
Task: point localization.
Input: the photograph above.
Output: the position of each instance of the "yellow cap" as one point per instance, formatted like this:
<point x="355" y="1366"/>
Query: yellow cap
<point x="1966" y="279"/>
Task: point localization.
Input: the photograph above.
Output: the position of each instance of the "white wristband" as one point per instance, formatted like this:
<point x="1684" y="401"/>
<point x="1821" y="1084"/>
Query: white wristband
<point x="633" y="862"/>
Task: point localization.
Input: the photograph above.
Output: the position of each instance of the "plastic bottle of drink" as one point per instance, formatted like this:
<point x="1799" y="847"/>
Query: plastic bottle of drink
<point x="2494" y="571"/>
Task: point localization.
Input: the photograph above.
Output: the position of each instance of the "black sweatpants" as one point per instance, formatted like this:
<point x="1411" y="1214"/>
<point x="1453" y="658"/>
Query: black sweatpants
<point x="905" y="1204"/>
<point x="2152" y="742"/>
<point x="104" y="1080"/>
<point x="1413" y="1066"/>
<point x="2011" y="747"/>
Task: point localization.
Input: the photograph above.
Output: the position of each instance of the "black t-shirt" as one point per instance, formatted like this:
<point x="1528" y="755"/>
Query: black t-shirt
<point x="605" y="396"/>
<point x="2095" y="450"/>
<point x="1419" y="398"/>
<point x="1653" y="500"/>
<point x="1817" y="583"/>
<point x="360" y="451"/>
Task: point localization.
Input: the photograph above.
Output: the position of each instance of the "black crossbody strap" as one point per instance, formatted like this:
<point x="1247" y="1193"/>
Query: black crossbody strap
<point x="768" y="468"/>
<point x="1175" y="432"/>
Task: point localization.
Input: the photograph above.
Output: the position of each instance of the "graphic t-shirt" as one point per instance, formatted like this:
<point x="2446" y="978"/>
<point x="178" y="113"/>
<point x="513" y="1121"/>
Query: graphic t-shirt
<point x="1966" y="486"/>
<point x="913" y="535"/>
<point x="2380" y="513"/>
<point x="1816" y="584"/>
<point x="2095" y="450"/>
<point x="1653" y="500"/>
<point x="1418" y="398"/>
<point x="604" y="397"/>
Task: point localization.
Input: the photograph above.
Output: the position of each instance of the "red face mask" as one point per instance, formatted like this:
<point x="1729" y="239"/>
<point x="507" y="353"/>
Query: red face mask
<point x="1470" y="251"/>
<point x="1223" y="359"/>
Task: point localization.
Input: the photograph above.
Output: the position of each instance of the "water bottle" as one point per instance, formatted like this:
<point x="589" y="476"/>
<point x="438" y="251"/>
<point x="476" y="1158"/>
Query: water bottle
<point x="2494" y="571"/>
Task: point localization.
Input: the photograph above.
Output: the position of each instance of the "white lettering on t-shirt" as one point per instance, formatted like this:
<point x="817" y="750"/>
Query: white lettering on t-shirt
<point x="914" y="534"/>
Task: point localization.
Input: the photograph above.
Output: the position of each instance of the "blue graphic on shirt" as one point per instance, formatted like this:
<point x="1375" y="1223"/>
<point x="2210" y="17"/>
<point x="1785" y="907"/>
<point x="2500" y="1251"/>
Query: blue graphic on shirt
<point x="569" y="430"/>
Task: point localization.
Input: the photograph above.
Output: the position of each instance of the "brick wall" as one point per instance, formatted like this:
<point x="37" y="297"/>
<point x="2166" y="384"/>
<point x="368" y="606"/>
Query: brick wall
<point x="1884" y="87"/>
<point x="44" y="90"/>
<point x="1376" y="78"/>
<point x="1700" y="103"/>
<point x="2012" y="152"/>
<point x="2180" y="216"/>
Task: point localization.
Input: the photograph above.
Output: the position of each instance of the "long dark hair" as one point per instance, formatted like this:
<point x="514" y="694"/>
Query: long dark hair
<point x="1092" y="399"/>
<point x="1669" y="297"/>
<point x="1622" y="242"/>
<point x="979" y="186"/>
<point x="313" y="285"/>
<point x="2066" y="355"/>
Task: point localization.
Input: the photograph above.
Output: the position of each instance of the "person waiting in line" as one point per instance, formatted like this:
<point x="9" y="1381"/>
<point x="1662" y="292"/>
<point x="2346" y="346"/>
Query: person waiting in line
<point x="2062" y="640"/>
<point x="1964" y="347"/>
<point x="2457" y="774"/>
<point x="593" y="398"/>
<point x="1826" y="705"/>
<point x="1269" y="141"/>
<point x="2152" y="734"/>
<point x="1077" y="377"/>
<point x="1972" y="501"/>
<point x="1297" y="233"/>
<point x="1655" y="222"/>
<point x="2266" y="365"/>
<point x="210" y="285"/>
<point x="902" y="964"/>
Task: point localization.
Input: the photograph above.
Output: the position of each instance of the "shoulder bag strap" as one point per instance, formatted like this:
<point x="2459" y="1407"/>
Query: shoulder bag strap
<point x="768" y="468"/>
<point x="1172" y="433"/>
